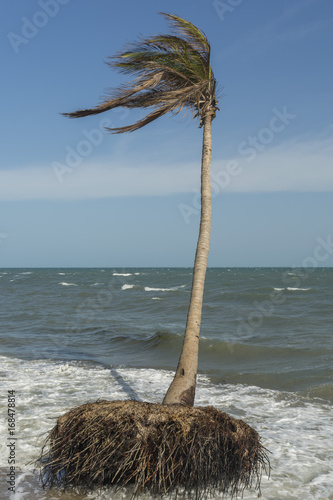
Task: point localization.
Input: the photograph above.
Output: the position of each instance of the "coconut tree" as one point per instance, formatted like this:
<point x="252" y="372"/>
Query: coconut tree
<point x="173" y="73"/>
<point x="174" y="445"/>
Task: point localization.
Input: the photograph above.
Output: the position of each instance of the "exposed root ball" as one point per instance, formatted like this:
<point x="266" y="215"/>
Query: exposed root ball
<point x="154" y="447"/>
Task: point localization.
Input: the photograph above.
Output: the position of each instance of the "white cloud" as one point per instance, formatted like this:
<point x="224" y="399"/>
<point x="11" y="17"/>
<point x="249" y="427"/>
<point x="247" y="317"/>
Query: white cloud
<point x="90" y="181"/>
<point x="294" y="166"/>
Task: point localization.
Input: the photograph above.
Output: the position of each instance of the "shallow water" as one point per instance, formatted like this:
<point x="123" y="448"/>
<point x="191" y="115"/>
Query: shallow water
<point x="69" y="336"/>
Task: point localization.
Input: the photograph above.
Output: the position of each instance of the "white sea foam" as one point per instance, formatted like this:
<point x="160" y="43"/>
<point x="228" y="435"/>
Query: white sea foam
<point x="122" y="274"/>
<point x="296" y="430"/>
<point x="67" y="284"/>
<point x="156" y="298"/>
<point x="296" y="289"/>
<point x="291" y="289"/>
<point x="148" y="289"/>
<point x="127" y="287"/>
<point x="62" y="274"/>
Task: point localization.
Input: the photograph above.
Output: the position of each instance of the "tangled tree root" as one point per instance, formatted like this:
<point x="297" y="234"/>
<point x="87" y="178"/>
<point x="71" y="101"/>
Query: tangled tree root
<point x="153" y="447"/>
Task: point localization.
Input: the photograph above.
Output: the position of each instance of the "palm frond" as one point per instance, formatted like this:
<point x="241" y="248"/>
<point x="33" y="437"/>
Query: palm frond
<point x="172" y="72"/>
<point x="168" y="102"/>
<point x="191" y="33"/>
<point x="120" y="98"/>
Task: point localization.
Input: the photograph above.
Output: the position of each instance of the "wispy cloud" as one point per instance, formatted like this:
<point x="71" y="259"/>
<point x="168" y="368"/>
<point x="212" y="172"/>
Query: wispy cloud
<point x="283" y="29"/>
<point x="96" y="181"/>
<point x="298" y="32"/>
<point x="300" y="166"/>
<point x="303" y="165"/>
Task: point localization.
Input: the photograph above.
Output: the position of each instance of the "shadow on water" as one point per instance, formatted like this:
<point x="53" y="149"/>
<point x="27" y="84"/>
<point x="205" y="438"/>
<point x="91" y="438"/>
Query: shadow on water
<point x="124" y="385"/>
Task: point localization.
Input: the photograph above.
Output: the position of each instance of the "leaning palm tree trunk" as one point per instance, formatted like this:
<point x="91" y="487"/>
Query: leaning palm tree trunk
<point x="182" y="388"/>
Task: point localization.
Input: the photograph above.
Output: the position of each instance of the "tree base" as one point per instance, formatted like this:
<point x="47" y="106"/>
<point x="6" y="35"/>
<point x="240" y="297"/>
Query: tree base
<point x="154" y="447"/>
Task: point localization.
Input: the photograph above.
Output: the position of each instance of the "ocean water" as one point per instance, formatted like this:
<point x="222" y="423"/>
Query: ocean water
<point x="69" y="336"/>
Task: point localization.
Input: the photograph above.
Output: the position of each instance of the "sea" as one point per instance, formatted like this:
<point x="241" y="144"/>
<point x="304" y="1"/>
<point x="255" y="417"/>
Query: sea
<point x="72" y="336"/>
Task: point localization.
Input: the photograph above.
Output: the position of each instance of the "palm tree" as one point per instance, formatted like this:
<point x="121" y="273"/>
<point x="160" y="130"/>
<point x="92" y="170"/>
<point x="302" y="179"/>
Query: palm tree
<point x="165" y="447"/>
<point x="173" y="73"/>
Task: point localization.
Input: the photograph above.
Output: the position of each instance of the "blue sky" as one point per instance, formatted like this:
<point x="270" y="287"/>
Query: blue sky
<point x="73" y="195"/>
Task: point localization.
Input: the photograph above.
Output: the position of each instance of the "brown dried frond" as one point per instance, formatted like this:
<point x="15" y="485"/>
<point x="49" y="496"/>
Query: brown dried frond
<point x="162" y="449"/>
